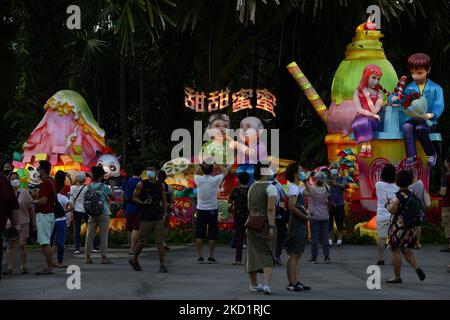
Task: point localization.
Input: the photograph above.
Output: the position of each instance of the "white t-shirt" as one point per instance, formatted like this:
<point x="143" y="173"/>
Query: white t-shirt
<point x="207" y="188"/>
<point x="384" y="192"/>
<point x="63" y="200"/>
<point x="79" y="204"/>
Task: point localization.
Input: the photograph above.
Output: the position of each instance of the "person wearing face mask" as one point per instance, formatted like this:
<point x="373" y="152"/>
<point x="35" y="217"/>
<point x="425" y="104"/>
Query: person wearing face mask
<point x="102" y="221"/>
<point x="24" y="215"/>
<point x="298" y="226"/>
<point x="338" y="184"/>
<point x="319" y="199"/>
<point x="150" y="196"/>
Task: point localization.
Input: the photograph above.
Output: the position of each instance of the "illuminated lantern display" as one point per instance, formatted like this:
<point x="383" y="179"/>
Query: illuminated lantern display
<point x="388" y="145"/>
<point x="68" y="135"/>
<point x="70" y="138"/>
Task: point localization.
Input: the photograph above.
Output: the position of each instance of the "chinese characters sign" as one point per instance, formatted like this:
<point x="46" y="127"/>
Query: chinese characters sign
<point x="218" y="100"/>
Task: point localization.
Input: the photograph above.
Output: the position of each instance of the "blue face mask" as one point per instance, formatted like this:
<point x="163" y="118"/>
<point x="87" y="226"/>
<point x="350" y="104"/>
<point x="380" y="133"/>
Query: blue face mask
<point x="302" y="176"/>
<point x="151" y="174"/>
<point x="334" y="171"/>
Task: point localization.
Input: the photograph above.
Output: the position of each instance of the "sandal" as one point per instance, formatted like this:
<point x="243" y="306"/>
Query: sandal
<point x="8" y="272"/>
<point x="107" y="261"/>
<point x="43" y="272"/>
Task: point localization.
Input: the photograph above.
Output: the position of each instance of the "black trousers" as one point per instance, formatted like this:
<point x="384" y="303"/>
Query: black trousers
<point x="281" y="236"/>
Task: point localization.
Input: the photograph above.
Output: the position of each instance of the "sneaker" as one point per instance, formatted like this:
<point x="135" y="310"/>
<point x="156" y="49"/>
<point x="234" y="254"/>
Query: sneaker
<point x="258" y="288"/>
<point x="410" y="161"/>
<point x="445" y="250"/>
<point x="244" y="246"/>
<point x="299" y="284"/>
<point x="212" y="260"/>
<point x="77" y="252"/>
<point x="200" y="260"/>
<point x="380" y="263"/>
<point x="293" y="287"/>
<point x="163" y="269"/>
<point x="327" y="260"/>
<point x="267" y="290"/>
<point x="339" y="243"/>
<point x="420" y="274"/>
<point x="278" y="262"/>
<point x="95" y="250"/>
<point x="313" y="261"/>
<point x="432" y="160"/>
<point x="330" y="242"/>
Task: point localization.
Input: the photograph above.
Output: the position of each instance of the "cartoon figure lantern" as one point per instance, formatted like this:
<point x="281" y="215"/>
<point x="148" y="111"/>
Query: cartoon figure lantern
<point x="110" y="164"/>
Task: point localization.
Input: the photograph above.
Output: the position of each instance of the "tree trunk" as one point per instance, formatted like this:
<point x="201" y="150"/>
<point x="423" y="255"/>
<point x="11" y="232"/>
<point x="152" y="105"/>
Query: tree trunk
<point x="141" y="99"/>
<point x="123" y="114"/>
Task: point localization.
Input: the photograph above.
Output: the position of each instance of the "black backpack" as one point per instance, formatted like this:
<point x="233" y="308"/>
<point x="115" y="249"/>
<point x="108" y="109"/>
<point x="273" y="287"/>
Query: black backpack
<point x="93" y="202"/>
<point x="412" y="209"/>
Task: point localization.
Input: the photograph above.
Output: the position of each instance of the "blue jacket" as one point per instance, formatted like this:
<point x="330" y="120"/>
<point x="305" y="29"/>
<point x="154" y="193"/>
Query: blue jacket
<point x="434" y="95"/>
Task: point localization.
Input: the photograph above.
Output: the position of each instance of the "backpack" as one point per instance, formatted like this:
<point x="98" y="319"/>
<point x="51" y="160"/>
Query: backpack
<point x="93" y="202"/>
<point x="412" y="210"/>
<point x="240" y="206"/>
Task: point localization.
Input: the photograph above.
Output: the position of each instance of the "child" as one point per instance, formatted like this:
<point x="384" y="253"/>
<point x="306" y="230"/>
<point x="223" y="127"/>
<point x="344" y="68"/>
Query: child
<point x="419" y="64"/>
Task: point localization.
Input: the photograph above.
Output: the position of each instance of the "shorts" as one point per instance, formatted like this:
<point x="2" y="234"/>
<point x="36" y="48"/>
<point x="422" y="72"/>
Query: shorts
<point x="296" y="236"/>
<point x="147" y="227"/>
<point x="383" y="228"/>
<point x="24" y="233"/>
<point x="44" y="226"/>
<point x="133" y="222"/>
<point x="446" y="221"/>
<point x="207" y="219"/>
<point x="337" y="215"/>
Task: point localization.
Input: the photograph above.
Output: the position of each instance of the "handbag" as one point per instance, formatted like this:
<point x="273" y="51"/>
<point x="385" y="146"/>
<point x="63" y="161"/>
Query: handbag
<point x="426" y="199"/>
<point x="256" y="223"/>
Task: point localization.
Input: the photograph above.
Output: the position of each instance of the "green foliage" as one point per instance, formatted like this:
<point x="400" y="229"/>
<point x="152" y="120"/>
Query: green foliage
<point x="433" y="234"/>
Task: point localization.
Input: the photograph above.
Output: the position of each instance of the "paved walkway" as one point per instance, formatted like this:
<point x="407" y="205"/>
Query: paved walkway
<point x="344" y="278"/>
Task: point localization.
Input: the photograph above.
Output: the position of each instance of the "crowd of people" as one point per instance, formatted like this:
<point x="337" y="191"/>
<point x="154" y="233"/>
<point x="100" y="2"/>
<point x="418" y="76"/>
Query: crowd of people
<point x="267" y="218"/>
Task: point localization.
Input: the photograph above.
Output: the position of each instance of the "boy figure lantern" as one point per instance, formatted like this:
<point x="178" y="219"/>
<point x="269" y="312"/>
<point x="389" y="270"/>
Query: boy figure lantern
<point x="368" y="100"/>
<point x="419" y="65"/>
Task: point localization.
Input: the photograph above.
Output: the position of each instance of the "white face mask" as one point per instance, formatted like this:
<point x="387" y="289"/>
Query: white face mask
<point x="15" y="183"/>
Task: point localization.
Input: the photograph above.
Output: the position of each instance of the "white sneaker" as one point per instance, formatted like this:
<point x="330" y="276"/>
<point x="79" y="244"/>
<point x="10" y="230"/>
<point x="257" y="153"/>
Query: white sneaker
<point x="339" y="243"/>
<point x="267" y="290"/>
<point x="330" y="242"/>
<point x="258" y="288"/>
